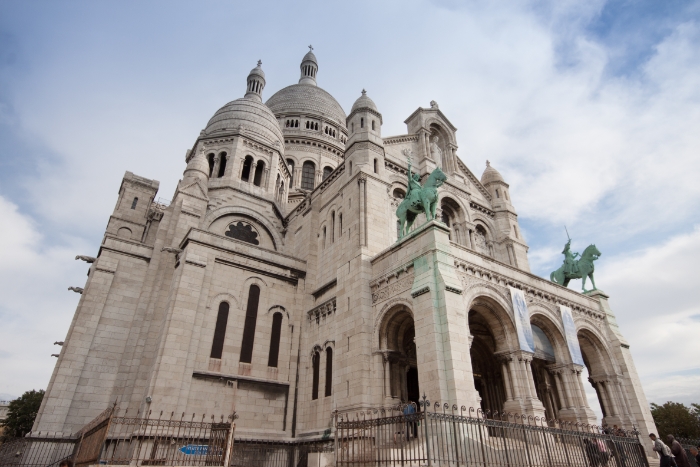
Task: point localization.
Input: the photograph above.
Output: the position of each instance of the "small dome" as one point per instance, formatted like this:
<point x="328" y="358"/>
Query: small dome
<point x="491" y="175"/>
<point x="307" y="99"/>
<point x="257" y="70"/>
<point x="309" y="57"/>
<point x="364" y="102"/>
<point x="198" y="163"/>
<point x="249" y="115"/>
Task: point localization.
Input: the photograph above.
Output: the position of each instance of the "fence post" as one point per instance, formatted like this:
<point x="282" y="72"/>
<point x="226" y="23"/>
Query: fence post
<point x="229" y="441"/>
<point x="425" y="402"/>
<point x="335" y="441"/>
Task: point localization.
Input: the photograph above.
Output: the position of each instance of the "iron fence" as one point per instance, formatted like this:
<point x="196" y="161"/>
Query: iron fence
<point x="689" y="444"/>
<point x="37" y="450"/>
<point x="451" y="436"/>
<point x="281" y="453"/>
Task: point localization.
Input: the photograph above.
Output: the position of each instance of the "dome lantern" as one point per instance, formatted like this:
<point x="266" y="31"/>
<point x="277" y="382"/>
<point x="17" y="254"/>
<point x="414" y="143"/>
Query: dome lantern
<point x="256" y="83"/>
<point x="309" y="68"/>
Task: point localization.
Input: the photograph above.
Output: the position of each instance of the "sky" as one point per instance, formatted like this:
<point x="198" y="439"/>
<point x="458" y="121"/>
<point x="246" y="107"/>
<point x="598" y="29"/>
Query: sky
<point x="590" y="109"/>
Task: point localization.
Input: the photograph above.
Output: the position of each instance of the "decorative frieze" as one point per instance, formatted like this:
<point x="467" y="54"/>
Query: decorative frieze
<point x="471" y="274"/>
<point x="480" y="208"/>
<point x="324" y="310"/>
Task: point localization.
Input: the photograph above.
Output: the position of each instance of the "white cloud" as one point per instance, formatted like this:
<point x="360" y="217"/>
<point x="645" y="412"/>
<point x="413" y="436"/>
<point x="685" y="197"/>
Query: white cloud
<point x="653" y="293"/>
<point x="36" y="308"/>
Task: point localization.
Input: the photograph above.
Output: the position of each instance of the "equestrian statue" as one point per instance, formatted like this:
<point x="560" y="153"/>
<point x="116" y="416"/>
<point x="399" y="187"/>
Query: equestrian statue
<point x="576" y="268"/>
<point x="419" y="199"/>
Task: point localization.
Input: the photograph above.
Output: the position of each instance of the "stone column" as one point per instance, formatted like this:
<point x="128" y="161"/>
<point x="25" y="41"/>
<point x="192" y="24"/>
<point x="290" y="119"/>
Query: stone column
<point x="506" y="380"/>
<point x="266" y="178"/>
<point x="471" y="239"/>
<point x="361" y="181"/>
<point x="229" y="166"/>
<point x="251" y="174"/>
<point x="297" y="177"/>
<point x="530" y="378"/>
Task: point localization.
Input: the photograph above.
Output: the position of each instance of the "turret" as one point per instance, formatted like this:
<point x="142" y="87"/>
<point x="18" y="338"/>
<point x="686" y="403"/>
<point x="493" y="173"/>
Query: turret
<point x="309" y="68"/>
<point x="364" y="122"/>
<point x="256" y="83"/>
<point x="509" y="240"/>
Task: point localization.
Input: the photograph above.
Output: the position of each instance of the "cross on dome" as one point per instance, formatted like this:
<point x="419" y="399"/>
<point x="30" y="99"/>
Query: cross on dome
<point x="488" y="163"/>
<point x="364" y="93"/>
<point x="311" y="48"/>
<point x="259" y="62"/>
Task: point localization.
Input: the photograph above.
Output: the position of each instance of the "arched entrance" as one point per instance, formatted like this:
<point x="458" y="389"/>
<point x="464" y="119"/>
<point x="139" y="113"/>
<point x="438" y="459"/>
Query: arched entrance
<point x="488" y="374"/>
<point x="397" y="341"/>
<point x="545" y="383"/>
<point x="605" y="381"/>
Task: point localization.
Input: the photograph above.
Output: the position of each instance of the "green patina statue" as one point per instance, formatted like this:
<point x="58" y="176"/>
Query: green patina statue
<point x="576" y="269"/>
<point x="419" y="199"/>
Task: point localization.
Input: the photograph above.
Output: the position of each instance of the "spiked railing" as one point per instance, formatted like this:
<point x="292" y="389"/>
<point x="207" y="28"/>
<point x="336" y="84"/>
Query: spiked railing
<point x="447" y="434"/>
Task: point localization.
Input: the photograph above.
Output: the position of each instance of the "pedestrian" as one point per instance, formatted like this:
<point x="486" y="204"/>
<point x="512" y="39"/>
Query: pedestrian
<point x="408" y="413"/>
<point x="664" y="451"/>
<point x="695" y="452"/>
<point x="592" y="452"/>
<point x="66" y="463"/>
<point x="678" y="451"/>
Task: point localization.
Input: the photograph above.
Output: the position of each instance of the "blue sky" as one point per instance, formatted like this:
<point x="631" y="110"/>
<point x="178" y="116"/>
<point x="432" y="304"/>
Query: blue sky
<point x="590" y="110"/>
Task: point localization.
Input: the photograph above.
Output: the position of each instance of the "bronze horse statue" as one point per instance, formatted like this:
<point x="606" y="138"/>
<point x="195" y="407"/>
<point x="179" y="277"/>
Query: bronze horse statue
<point x="583" y="268"/>
<point x="419" y="200"/>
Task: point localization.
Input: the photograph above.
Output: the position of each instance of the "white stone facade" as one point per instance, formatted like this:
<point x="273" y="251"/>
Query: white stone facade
<point x="273" y="283"/>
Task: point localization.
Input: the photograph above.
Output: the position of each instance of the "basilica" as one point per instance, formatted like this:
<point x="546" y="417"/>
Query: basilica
<point x="279" y="282"/>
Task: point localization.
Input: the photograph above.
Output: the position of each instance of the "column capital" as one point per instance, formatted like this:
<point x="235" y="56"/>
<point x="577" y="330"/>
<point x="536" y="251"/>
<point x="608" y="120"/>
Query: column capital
<point x="362" y="178"/>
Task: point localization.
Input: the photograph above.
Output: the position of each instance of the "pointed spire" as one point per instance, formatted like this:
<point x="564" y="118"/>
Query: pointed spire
<point x="309" y="68"/>
<point x="256" y="83"/>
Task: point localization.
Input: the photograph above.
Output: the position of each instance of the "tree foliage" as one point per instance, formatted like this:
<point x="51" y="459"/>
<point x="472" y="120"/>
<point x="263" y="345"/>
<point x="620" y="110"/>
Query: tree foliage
<point x="21" y="414"/>
<point x="674" y="418"/>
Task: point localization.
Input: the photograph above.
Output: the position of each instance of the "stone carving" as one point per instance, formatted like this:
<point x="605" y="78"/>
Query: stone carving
<point x="168" y="249"/>
<point x="419" y="199"/>
<point x="480" y="242"/>
<point x="576" y="269"/>
<point x="392" y="289"/>
<point x="434" y="105"/>
<point x="87" y="259"/>
<point x="435" y="151"/>
<point x="327" y="308"/>
<point x="243" y="232"/>
<point x="76" y="289"/>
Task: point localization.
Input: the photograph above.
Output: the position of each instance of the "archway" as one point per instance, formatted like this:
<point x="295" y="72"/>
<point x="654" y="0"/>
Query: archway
<point x="488" y="374"/>
<point x="597" y="364"/>
<point x="398" y="344"/>
<point x="545" y="383"/>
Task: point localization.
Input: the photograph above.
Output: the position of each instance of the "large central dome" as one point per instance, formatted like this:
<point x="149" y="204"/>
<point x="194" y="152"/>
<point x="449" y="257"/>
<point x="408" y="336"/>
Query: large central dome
<point x="307" y="98"/>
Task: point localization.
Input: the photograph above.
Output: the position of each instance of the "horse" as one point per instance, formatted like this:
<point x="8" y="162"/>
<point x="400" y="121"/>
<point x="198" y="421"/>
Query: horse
<point x="585" y="269"/>
<point x="419" y="201"/>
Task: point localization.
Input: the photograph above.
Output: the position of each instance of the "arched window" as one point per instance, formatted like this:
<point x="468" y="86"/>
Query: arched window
<point x="210" y="160"/>
<point x="327" y="171"/>
<point x="340" y="225"/>
<point x="350" y="171"/>
<point x="498" y="195"/>
<point x="134" y="203"/>
<point x="362" y="123"/>
<point x="315" y="363"/>
<point x="251" y="317"/>
<point x="245" y="173"/>
<point x="446" y="214"/>
<point x="307" y="124"/>
<point x="316" y="127"/>
<point x="217" y="346"/>
<point x="375" y="165"/>
<point x="399" y="193"/>
<point x="329" y="371"/>
<point x="275" y="340"/>
<point x="333" y="227"/>
<point x="373" y="124"/>
<point x="259" y="168"/>
<point x="324" y="237"/>
<point x="222" y="164"/>
<point x="515" y="231"/>
<point x="352" y="125"/>
<point x="296" y="124"/>
<point x="307" y="175"/>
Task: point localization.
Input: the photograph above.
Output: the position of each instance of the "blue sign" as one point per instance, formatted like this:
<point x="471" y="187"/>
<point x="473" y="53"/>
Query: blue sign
<point x="195" y="449"/>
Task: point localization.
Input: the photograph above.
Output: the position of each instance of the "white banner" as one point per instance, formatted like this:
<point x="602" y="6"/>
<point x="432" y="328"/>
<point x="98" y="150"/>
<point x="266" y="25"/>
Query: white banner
<point x="570" y="334"/>
<point x="522" y="320"/>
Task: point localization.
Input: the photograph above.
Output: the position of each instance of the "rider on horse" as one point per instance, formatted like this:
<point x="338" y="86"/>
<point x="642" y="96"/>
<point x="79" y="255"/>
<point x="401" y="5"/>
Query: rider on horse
<point x="570" y="263"/>
<point x="413" y="181"/>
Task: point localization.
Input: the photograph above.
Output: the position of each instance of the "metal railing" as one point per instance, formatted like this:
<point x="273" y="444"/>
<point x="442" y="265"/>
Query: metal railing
<point x="279" y="453"/>
<point x="37" y="450"/>
<point x="452" y="436"/>
<point x="687" y="444"/>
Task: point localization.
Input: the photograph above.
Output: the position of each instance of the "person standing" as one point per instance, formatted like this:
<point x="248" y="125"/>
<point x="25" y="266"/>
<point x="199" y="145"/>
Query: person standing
<point x="664" y="452"/>
<point x="678" y="451"/>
